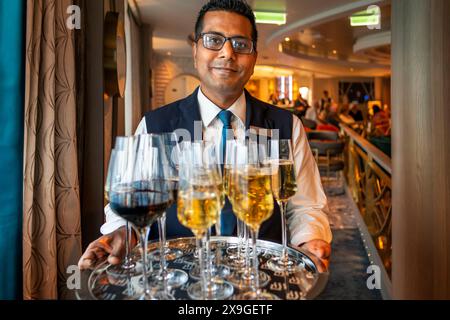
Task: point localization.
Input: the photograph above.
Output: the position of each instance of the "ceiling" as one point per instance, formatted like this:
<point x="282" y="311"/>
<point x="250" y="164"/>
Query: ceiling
<point x="321" y="40"/>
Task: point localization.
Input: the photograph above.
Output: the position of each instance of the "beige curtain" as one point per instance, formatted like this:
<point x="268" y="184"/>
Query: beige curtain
<point x="51" y="217"/>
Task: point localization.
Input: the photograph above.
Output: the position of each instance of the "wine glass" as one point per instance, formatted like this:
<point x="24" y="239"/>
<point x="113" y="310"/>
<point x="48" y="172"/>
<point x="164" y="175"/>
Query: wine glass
<point x="128" y="266"/>
<point x="284" y="186"/>
<point x="138" y="191"/>
<point x="169" y="277"/>
<point x="198" y="209"/>
<point x="254" y="205"/>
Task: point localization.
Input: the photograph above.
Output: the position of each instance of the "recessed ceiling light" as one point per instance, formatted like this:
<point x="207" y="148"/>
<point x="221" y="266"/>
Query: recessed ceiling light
<point x="334" y="52"/>
<point x="287" y="39"/>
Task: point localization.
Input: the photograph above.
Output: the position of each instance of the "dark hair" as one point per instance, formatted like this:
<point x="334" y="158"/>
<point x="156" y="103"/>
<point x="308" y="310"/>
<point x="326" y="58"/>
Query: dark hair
<point x="237" y="6"/>
<point x="376" y="108"/>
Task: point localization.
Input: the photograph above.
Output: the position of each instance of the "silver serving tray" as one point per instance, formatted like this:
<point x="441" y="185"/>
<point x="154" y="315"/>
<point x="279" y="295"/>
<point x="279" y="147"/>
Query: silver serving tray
<point x="306" y="284"/>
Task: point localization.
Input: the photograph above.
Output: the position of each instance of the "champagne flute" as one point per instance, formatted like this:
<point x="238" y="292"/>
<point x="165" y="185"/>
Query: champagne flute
<point x="138" y="192"/>
<point x="235" y="257"/>
<point x="198" y="209"/>
<point x="284" y="186"/>
<point x="210" y="160"/>
<point x="254" y="205"/>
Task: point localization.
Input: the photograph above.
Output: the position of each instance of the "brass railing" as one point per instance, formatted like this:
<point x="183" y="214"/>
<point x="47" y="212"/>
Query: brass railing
<point x="368" y="174"/>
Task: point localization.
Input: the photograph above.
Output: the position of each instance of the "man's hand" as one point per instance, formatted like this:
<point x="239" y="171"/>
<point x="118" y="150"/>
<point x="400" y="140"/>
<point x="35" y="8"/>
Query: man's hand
<point x="110" y="246"/>
<point x="321" y="249"/>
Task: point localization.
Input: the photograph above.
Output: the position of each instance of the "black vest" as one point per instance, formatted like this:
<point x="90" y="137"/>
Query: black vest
<point x="183" y="113"/>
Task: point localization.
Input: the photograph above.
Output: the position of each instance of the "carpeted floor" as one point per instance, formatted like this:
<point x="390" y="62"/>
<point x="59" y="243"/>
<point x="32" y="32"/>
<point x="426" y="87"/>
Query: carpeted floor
<point x="349" y="259"/>
<point x="348" y="267"/>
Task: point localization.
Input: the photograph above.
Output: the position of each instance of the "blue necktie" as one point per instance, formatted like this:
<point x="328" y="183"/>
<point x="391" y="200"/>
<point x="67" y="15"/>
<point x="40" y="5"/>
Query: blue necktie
<point x="228" y="219"/>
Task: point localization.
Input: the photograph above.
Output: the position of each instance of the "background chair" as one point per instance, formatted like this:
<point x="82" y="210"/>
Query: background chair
<point x="328" y="150"/>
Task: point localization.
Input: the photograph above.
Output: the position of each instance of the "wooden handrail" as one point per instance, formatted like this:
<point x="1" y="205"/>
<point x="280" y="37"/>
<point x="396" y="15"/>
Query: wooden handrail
<point x="377" y="155"/>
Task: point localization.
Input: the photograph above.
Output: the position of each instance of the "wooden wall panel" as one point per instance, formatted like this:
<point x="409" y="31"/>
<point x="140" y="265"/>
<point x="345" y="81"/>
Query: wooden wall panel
<point x="421" y="149"/>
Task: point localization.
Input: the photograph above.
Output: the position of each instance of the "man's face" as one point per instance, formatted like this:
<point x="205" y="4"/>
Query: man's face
<point x="223" y="71"/>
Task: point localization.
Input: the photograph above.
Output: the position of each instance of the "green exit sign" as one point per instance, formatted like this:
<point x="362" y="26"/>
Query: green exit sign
<point x="369" y="17"/>
<point x="270" y="17"/>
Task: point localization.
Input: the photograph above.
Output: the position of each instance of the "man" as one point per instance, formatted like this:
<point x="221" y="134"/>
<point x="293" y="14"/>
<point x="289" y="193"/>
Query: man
<point x="225" y="56"/>
<point x="301" y="106"/>
<point x="325" y="102"/>
<point x="355" y="112"/>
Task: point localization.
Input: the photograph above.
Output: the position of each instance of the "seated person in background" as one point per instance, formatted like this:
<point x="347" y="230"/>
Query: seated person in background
<point x="311" y="113"/>
<point x="332" y="116"/>
<point x="381" y="121"/>
<point x="284" y="102"/>
<point x="273" y="99"/>
<point x="325" y="102"/>
<point x="300" y="105"/>
<point x="355" y="113"/>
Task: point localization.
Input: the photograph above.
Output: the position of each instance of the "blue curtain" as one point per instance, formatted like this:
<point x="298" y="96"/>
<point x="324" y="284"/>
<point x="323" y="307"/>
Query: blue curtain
<point x="12" y="57"/>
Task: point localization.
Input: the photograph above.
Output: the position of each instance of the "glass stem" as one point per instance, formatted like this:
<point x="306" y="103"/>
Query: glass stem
<point x="127" y="243"/>
<point x="209" y="262"/>
<point x="218" y="225"/>
<point x="256" y="288"/>
<point x="143" y="232"/>
<point x="240" y="238"/>
<point x="283" y="205"/>
<point x="201" y="264"/>
<point x="162" y="250"/>
<point x="247" y="270"/>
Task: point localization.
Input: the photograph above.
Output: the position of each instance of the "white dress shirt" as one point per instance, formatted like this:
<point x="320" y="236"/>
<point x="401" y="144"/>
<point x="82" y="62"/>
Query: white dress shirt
<point x="307" y="210"/>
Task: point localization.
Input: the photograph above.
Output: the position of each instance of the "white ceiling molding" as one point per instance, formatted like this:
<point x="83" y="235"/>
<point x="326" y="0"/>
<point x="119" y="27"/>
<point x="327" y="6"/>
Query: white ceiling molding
<point x="372" y="41"/>
<point x="323" y="17"/>
<point x="337" y="62"/>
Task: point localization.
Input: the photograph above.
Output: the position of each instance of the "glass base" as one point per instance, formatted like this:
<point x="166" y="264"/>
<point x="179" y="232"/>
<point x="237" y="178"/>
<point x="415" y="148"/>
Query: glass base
<point x="244" y="280"/>
<point x="234" y="262"/>
<point x="218" y="290"/>
<point x="171" y="254"/>
<point x="175" y="278"/>
<point x="155" y="293"/>
<point x="220" y="272"/>
<point x="122" y="270"/>
<point x="256" y="296"/>
<point x="128" y="283"/>
<point x="283" y="264"/>
<point x="159" y="294"/>
<point x="232" y="252"/>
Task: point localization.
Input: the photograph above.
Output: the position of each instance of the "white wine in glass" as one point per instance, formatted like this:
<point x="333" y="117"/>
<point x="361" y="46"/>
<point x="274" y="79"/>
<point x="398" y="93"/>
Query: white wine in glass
<point x="284" y="186"/>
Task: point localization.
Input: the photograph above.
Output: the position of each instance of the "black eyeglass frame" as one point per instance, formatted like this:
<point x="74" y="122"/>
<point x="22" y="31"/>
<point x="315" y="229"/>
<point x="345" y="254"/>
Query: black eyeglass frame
<point x="201" y="36"/>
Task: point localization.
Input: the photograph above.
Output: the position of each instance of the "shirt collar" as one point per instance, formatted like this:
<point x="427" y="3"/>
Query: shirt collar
<point x="209" y="111"/>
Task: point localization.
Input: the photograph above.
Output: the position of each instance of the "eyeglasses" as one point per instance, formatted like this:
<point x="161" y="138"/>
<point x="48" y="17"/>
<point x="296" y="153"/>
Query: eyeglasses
<point x="214" y="41"/>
